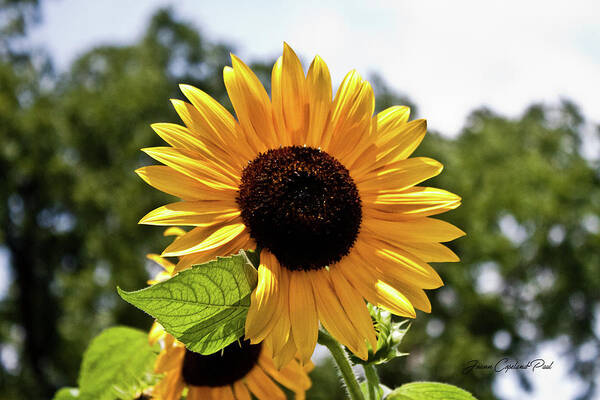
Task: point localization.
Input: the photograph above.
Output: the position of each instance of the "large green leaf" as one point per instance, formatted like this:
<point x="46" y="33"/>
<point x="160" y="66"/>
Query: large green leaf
<point x="117" y="364"/>
<point x="204" y="307"/>
<point x="429" y="391"/>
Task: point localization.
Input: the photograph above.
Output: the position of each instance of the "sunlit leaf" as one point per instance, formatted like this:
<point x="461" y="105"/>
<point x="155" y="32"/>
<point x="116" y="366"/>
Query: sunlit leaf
<point x="117" y="364"/>
<point x="204" y="307"/>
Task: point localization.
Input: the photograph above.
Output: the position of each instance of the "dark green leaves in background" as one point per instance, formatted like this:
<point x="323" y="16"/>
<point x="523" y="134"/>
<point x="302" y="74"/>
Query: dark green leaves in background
<point x="204" y="307"/>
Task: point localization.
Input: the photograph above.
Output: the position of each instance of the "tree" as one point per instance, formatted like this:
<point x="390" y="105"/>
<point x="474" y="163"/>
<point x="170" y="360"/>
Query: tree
<point x="71" y="201"/>
<point x="528" y="270"/>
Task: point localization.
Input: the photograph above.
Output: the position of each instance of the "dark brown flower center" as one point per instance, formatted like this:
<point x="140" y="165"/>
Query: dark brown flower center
<point x="301" y="204"/>
<point x="221" y="368"/>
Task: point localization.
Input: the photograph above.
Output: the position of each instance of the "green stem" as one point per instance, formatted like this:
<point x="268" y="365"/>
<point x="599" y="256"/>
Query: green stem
<point x="372" y="380"/>
<point x="343" y="364"/>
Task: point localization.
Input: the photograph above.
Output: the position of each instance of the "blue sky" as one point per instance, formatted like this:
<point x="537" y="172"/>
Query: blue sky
<point x="449" y="57"/>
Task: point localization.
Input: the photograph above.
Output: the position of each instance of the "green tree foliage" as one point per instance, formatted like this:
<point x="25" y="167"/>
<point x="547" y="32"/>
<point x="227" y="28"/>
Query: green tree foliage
<point x="70" y="203"/>
<point x="529" y="269"/>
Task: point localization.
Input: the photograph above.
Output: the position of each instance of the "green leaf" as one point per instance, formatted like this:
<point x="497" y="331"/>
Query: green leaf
<point x="67" y="393"/>
<point x="204" y="307"/>
<point x="117" y="364"/>
<point x="429" y="391"/>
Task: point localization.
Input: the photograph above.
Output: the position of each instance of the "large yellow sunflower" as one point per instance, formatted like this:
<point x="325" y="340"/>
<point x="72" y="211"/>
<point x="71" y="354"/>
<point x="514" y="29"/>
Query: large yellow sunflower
<point x="235" y="372"/>
<point x="321" y="185"/>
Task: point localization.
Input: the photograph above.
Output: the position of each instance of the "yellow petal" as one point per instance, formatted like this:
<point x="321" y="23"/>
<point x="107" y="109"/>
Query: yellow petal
<point x="194" y="213"/>
<point x="367" y="282"/>
<point x="222" y="393"/>
<point x="354" y="305"/>
<point x="286" y="354"/>
<point x="392" y="295"/>
<point x="390" y="122"/>
<point x="182" y="138"/>
<point x="308" y="367"/>
<point x="200" y="393"/>
<point x="319" y="96"/>
<point x="240" y="391"/>
<point x="208" y="173"/>
<point x="190" y="116"/>
<point x="203" y="239"/>
<point x="415" y="295"/>
<point x="169" y="360"/>
<point x="277" y="103"/>
<point x="351" y="116"/>
<point x="303" y="314"/>
<point x="209" y="122"/>
<point x="291" y="376"/>
<point x="294" y="96"/>
<point x="398" y="148"/>
<point x="414" y="202"/>
<point x="363" y="151"/>
<point x="430" y="252"/>
<point x="392" y="261"/>
<point x="281" y="330"/>
<point x="332" y="314"/>
<point x="400" y="175"/>
<point x="197" y="125"/>
<point x="174" y="231"/>
<point x="262" y="386"/>
<point x="404" y="143"/>
<point x="169" y="388"/>
<point x="216" y="122"/>
<point x="264" y="301"/>
<point x="177" y="184"/>
<point x="252" y="105"/>
<point x="413" y="230"/>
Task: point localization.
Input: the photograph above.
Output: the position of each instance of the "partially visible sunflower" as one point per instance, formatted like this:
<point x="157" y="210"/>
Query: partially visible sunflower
<point x="239" y="370"/>
<point x="322" y="186"/>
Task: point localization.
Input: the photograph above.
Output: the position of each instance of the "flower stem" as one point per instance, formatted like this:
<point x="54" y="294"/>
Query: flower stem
<point x="372" y="380"/>
<point x="343" y="364"/>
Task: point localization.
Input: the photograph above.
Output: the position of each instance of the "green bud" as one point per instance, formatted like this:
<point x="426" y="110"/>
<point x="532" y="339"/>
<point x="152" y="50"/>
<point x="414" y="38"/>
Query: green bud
<point x="390" y="335"/>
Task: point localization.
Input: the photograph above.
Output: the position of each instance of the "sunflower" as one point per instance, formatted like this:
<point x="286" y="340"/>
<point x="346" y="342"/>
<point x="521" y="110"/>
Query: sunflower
<point x="239" y="370"/>
<point x="235" y="372"/>
<point x="322" y="186"/>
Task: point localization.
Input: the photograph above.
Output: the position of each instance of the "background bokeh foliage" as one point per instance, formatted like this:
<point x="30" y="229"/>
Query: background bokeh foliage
<point x="70" y="203"/>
